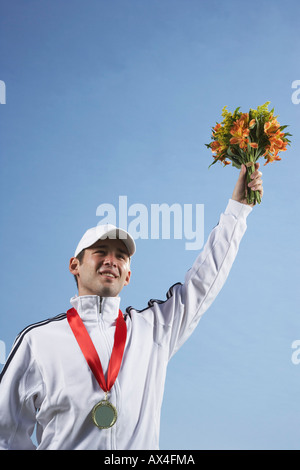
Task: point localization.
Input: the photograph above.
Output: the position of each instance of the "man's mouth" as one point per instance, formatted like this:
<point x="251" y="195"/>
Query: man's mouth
<point x="108" y="274"/>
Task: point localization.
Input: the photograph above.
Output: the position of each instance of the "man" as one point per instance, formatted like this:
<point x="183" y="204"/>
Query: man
<point x="94" y="378"/>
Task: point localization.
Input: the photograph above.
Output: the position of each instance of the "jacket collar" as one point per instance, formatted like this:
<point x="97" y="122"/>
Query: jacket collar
<point x="91" y="307"/>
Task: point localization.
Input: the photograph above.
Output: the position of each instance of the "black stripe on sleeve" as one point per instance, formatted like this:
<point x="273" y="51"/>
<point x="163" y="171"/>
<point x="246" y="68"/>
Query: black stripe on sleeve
<point x="155" y="301"/>
<point x="21" y="336"/>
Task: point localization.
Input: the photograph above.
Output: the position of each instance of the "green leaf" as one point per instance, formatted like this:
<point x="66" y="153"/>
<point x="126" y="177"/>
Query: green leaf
<point x="259" y="152"/>
<point x="215" y="161"/>
<point x="236" y="165"/>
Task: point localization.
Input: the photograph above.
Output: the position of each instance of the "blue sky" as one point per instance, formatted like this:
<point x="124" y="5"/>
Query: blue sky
<point x="105" y="99"/>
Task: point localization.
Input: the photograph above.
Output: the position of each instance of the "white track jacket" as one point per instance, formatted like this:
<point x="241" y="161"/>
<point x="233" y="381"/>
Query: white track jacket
<point x="46" y="380"/>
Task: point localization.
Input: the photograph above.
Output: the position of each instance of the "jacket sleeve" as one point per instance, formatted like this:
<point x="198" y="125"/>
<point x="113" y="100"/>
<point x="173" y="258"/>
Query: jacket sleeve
<point x="177" y="317"/>
<point x="20" y="384"/>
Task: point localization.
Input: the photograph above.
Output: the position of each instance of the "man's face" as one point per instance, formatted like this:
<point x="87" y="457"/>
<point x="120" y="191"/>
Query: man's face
<point x="104" y="269"/>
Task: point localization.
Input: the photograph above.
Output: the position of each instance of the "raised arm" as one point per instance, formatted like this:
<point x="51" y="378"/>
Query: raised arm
<point x="186" y="303"/>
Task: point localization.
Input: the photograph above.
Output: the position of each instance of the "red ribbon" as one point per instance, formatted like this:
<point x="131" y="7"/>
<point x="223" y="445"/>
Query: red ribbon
<point x="90" y="353"/>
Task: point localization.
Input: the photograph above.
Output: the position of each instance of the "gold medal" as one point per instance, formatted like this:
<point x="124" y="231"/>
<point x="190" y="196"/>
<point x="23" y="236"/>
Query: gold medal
<point x="104" y="414"/>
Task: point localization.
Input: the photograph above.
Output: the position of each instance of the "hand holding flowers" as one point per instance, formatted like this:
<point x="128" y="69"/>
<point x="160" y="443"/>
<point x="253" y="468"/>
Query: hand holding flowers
<point x="241" y="188"/>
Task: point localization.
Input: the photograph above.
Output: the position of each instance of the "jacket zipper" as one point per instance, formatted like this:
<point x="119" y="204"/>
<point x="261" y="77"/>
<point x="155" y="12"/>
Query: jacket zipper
<point x="106" y="342"/>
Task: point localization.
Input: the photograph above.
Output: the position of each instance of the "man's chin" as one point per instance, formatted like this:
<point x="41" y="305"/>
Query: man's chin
<point x="108" y="291"/>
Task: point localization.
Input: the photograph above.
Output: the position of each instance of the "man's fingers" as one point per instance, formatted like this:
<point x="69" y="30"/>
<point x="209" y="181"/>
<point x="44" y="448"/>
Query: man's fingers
<point x="256" y="183"/>
<point x="256" y="174"/>
<point x="256" y="187"/>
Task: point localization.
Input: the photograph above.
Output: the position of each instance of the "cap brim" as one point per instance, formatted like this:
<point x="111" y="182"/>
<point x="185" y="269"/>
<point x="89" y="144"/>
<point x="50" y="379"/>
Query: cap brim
<point x="120" y="234"/>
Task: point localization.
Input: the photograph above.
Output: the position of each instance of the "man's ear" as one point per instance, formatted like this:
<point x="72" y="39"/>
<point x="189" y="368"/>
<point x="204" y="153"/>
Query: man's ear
<point x="127" y="279"/>
<point x="73" y="266"/>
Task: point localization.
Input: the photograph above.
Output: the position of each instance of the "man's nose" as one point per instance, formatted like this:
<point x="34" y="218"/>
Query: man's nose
<point x="110" y="260"/>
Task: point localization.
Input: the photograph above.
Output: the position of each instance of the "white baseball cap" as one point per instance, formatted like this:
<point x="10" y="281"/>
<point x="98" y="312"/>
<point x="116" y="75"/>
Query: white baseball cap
<point x="100" y="232"/>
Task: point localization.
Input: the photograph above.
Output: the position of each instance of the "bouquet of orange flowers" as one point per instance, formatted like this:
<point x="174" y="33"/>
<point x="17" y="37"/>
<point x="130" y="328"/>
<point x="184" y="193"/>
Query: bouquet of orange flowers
<point x="243" y="138"/>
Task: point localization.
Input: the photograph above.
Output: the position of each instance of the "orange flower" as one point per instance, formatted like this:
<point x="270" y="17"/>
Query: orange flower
<point x="276" y="142"/>
<point x="215" y="146"/>
<point x="271" y="127"/>
<point x="240" y="131"/>
<point x="270" y="158"/>
<point x="220" y="150"/>
<point x="275" y="146"/>
<point x="217" y="127"/>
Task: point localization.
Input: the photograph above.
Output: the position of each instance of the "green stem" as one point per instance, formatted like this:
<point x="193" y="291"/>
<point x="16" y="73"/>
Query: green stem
<point x="253" y="197"/>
